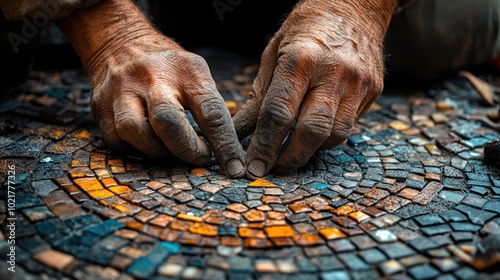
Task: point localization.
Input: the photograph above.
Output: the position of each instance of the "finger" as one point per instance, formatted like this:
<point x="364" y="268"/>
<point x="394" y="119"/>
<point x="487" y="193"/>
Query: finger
<point x="314" y="126"/>
<point x="279" y="109"/>
<point x="245" y="119"/>
<point x="213" y="118"/>
<point x="168" y="120"/>
<point x="132" y="125"/>
<point x="346" y="114"/>
<point x="102" y="113"/>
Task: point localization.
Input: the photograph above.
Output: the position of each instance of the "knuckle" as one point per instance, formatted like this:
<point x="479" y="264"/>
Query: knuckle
<point x="125" y="123"/>
<point x="342" y="130"/>
<point x="277" y="113"/>
<point x="162" y="117"/>
<point x="316" y="129"/>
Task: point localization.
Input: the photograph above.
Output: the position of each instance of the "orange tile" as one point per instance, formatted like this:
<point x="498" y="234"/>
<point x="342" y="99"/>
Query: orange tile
<point x="279" y="231"/>
<point x="88" y="184"/>
<point x="97" y="164"/>
<point x="161" y="220"/>
<point x="343" y="210"/>
<point x="100" y="194"/>
<point x="257" y="243"/>
<point x="251" y="233"/>
<point x="203" y="229"/>
<point x="120" y="189"/>
<point x="109" y="182"/>
<point x="299" y="208"/>
<point x="200" y="172"/>
<point x="359" y="216"/>
<point x="332" y="233"/>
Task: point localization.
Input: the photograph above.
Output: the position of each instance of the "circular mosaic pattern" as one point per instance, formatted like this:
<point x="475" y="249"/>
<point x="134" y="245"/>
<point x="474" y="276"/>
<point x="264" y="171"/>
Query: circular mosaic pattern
<point x="400" y="199"/>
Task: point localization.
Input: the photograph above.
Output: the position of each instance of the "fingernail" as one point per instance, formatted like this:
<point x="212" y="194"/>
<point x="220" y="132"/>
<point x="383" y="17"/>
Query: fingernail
<point x="256" y="168"/>
<point x="201" y="160"/>
<point x="234" y="168"/>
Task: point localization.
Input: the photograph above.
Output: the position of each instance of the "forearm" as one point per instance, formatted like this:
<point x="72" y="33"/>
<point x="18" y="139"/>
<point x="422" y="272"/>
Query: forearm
<point x="372" y="16"/>
<point x="105" y="28"/>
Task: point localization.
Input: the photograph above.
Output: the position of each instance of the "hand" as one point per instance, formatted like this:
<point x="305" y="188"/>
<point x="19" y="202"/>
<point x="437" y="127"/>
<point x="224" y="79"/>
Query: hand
<point x="142" y="82"/>
<point x="320" y="72"/>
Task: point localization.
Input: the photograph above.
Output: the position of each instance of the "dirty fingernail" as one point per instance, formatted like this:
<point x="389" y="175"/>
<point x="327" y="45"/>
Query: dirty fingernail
<point x="234" y="168"/>
<point x="201" y="160"/>
<point x="256" y="168"/>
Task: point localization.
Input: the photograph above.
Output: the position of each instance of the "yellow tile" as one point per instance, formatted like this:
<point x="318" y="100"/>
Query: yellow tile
<point x="399" y="125"/>
<point x="97" y="164"/>
<point x="118" y="169"/>
<point x="261" y="183"/>
<point x="102" y="173"/>
<point x="189" y="217"/>
<point x="359" y="216"/>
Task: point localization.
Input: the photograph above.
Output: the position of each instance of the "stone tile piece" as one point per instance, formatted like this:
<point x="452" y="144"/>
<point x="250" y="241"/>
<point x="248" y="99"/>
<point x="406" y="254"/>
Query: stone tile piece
<point x="54" y="259"/>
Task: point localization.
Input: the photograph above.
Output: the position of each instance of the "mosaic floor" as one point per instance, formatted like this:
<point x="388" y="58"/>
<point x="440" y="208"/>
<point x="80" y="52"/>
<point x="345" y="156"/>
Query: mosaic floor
<point x="407" y="197"/>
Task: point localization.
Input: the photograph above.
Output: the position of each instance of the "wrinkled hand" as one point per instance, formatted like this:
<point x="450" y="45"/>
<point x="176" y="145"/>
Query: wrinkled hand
<point x="142" y="82"/>
<point x="321" y="71"/>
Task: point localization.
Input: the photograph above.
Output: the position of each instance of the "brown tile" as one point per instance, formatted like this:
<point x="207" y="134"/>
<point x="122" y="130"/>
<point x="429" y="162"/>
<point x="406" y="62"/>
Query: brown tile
<point x="155" y="185"/>
<point x="80" y="172"/>
<point x="299" y="208"/>
<point x="180" y="225"/>
<point x="256" y="243"/>
<point x="145" y="215"/>
<point x="169" y="235"/>
<point x="237" y="207"/>
<point x="265" y="266"/>
<point x="118" y="170"/>
<point x="230" y="241"/>
<point x="215" y="220"/>
<point x="308" y="240"/>
<point x="271" y="199"/>
<point x="54" y="259"/>
<point x="71" y="189"/>
<point x="251" y="233"/>
<point x="132" y="252"/>
<point x="433" y="177"/>
<point x="374" y="212"/>
<point x="377" y="194"/>
<point x="428" y="193"/>
<point x="254" y="216"/>
<point x="231" y="215"/>
<point x="161" y="220"/>
<point x="127" y="233"/>
<point x="121" y="262"/>
<point x="65" y="210"/>
<point x="283" y="242"/>
<point x="408" y="193"/>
